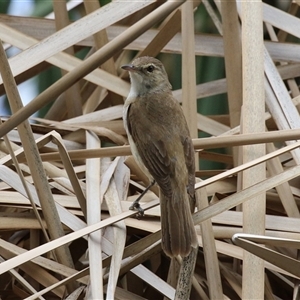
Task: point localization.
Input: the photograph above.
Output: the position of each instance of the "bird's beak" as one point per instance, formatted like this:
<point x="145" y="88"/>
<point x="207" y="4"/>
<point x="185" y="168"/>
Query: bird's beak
<point x="129" y="67"/>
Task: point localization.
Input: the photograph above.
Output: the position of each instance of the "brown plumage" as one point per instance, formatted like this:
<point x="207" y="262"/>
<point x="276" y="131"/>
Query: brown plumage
<point x="161" y="144"/>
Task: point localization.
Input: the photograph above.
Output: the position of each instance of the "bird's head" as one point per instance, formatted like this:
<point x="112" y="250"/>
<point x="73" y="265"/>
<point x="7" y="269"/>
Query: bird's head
<point x="147" y="75"/>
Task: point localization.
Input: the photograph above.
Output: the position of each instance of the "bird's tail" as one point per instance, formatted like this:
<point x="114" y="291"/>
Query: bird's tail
<point x="178" y="231"/>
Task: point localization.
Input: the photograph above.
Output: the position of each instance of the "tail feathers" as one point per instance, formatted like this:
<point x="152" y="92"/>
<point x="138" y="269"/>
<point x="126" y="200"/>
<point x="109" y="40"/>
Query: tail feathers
<point x="178" y="231"/>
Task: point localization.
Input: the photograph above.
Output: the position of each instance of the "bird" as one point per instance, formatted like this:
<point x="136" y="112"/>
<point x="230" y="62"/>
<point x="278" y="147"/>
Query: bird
<point x="161" y="144"/>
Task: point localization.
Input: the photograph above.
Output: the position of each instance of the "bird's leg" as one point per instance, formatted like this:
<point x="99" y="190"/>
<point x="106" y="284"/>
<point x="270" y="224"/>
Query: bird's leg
<point x="136" y="204"/>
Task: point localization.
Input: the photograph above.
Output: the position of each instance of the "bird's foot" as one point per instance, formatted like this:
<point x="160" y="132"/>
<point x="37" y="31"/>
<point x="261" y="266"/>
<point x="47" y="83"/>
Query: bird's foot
<point x="136" y="206"/>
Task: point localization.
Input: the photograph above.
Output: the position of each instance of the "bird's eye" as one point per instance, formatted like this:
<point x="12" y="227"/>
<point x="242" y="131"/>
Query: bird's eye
<point x="150" y="69"/>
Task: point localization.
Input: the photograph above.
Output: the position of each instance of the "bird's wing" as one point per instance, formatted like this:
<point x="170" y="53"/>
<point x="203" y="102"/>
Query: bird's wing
<point x="151" y="145"/>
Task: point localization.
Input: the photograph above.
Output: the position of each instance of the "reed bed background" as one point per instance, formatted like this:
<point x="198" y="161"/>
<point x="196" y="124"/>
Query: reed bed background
<point x="67" y="178"/>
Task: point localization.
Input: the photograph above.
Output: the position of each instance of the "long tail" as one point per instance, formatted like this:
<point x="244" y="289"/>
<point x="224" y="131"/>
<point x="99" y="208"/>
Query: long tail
<point x="178" y="231"/>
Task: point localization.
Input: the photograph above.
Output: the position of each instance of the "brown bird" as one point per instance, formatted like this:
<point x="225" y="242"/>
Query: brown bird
<point x="161" y="144"/>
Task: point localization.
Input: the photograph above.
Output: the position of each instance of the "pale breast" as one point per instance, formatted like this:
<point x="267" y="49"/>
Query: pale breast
<point x="133" y="147"/>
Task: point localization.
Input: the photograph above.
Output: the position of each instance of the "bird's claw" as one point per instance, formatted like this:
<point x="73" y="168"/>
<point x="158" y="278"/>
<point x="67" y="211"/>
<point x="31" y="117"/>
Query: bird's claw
<point x="136" y="206"/>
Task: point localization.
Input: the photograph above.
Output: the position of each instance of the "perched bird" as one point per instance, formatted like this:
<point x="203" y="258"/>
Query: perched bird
<point x="161" y="144"/>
